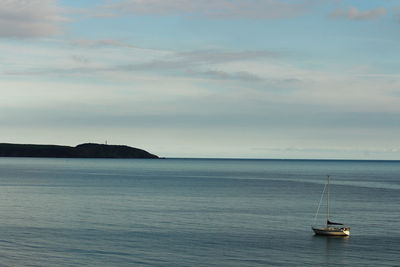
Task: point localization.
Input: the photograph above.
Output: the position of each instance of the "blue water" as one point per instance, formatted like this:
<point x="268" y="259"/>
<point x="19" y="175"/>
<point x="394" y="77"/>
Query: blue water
<point x="192" y="212"/>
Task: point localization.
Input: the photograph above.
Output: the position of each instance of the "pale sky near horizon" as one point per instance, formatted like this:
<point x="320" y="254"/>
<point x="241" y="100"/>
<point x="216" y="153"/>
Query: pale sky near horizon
<point x="205" y="78"/>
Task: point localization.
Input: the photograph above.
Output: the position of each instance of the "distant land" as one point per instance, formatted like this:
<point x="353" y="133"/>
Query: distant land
<point x="88" y="150"/>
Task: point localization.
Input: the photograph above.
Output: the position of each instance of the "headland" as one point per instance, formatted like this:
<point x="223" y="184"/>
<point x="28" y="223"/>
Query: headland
<point x="87" y="150"/>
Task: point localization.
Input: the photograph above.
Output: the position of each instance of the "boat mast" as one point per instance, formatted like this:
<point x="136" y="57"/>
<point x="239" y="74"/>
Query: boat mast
<point x="327" y="203"/>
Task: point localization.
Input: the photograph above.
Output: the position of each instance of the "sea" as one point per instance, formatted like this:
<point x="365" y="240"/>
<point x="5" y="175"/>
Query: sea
<point x="196" y="212"/>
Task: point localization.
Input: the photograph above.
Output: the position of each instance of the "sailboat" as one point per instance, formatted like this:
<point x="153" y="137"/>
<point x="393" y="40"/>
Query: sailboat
<point x="331" y="228"/>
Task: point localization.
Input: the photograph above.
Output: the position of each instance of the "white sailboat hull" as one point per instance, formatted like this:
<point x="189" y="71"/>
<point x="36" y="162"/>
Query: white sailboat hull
<point x="331" y="231"/>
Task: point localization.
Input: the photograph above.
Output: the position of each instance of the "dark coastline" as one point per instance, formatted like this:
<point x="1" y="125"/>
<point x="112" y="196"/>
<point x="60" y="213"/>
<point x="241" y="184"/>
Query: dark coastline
<point x="88" y="150"/>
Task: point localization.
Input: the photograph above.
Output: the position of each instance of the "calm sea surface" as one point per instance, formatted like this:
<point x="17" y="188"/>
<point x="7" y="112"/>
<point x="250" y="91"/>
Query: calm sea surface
<point x="192" y="212"/>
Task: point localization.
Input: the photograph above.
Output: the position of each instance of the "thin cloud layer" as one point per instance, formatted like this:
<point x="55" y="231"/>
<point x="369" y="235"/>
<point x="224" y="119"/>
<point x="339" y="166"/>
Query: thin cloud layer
<point x="101" y="43"/>
<point x="125" y="57"/>
<point x="355" y="14"/>
<point x="215" y="56"/>
<point x="235" y="76"/>
<point x="34" y="18"/>
<point x="248" y="9"/>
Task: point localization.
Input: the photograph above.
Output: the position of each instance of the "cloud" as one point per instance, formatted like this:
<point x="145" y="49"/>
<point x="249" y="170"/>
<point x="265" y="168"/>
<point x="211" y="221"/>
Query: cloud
<point x="331" y="150"/>
<point x="80" y="59"/>
<point x="198" y="63"/>
<point x="101" y="43"/>
<point x="34" y="18"/>
<point x="248" y="9"/>
<point x="355" y="14"/>
<point x="215" y="56"/>
<point x="236" y="76"/>
<point x="199" y="59"/>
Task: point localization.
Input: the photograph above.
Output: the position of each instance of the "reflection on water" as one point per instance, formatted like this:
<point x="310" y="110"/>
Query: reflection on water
<point x="332" y="249"/>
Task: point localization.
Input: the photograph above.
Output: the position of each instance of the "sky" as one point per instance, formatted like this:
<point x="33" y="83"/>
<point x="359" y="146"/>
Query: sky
<point x="309" y="79"/>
